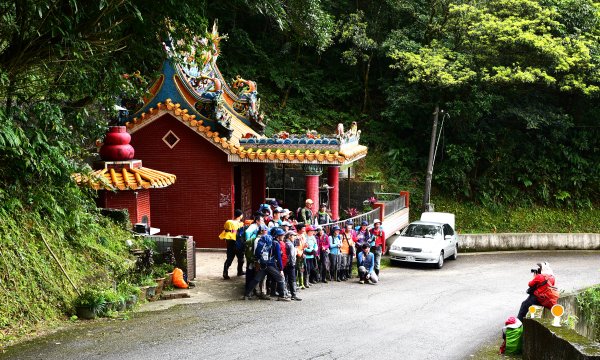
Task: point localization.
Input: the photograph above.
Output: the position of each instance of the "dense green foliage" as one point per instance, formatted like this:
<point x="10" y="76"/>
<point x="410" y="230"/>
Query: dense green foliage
<point x="589" y="303"/>
<point x="519" y="79"/>
<point x="33" y="288"/>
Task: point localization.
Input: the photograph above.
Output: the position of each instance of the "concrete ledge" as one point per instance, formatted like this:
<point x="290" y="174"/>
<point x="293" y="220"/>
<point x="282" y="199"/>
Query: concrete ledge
<point x="543" y="341"/>
<point x="528" y="241"/>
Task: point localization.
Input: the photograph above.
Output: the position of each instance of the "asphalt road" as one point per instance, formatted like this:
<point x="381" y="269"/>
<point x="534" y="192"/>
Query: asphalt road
<point x="413" y="313"/>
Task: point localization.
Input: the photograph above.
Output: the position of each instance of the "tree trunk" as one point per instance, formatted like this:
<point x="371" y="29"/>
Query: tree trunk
<point x="366" y="85"/>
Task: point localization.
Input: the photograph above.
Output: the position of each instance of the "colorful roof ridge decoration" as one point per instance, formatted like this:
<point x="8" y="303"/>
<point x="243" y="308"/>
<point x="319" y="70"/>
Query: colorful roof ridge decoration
<point x="343" y="154"/>
<point x="197" y="66"/>
<point x="125" y="178"/>
<point x="191" y="78"/>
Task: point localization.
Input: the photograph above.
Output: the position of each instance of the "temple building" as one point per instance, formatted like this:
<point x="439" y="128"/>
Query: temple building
<point x="209" y="134"/>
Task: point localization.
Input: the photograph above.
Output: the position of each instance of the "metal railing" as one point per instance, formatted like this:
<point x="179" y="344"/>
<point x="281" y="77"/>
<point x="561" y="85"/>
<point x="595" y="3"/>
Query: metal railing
<point x="385" y="196"/>
<point x="393" y="206"/>
<point x="356" y="220"/>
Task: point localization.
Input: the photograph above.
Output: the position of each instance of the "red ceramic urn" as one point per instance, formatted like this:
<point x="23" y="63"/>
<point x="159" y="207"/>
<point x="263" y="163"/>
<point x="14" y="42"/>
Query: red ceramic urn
<point x="116" y="145"/>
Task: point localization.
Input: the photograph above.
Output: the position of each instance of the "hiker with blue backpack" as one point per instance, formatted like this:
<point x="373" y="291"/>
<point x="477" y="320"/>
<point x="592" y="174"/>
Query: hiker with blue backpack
<point x="229" y="234"/>
<point x="268" y="254"/>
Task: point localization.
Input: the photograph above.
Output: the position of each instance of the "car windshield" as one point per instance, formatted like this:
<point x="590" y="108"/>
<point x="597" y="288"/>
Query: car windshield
<point x="421" y="231"/>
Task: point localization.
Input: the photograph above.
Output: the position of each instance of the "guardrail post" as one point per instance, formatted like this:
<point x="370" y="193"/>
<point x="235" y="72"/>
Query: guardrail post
<point x="381" y="207"/>
<point x="406" y="195"/>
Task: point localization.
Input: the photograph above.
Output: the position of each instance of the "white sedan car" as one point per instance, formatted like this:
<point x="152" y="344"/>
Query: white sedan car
<point x="425" y="242"/>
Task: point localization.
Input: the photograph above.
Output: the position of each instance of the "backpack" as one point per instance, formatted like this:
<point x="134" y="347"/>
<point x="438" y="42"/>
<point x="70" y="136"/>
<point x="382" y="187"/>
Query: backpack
<point x="549" y="297"/>
<point x="284" y="255"/>
<point x="266" y="250"/>
<point x="240" y="238"/>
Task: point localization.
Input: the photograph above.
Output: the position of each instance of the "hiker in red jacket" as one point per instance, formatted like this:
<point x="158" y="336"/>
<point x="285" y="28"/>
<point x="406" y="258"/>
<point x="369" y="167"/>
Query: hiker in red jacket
<point x="541" y="289"/>
<point x="378" y="243"/>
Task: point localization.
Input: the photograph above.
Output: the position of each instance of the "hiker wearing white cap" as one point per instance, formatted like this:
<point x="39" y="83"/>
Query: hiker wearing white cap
<point x="306" y="215"/>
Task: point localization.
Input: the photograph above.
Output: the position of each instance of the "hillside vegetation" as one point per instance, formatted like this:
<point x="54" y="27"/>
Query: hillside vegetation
<point x="33" y="289"/>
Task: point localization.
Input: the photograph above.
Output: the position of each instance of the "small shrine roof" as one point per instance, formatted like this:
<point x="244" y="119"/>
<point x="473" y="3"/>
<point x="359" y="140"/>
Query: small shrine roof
<point x="122" y="176"/>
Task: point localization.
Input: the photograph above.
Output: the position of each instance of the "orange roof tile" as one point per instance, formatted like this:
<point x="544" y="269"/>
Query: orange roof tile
<point x="126" y="179"/>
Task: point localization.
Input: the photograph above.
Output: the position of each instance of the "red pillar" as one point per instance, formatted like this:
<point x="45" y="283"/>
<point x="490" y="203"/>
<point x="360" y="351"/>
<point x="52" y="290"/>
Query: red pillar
<point x="381" y="207"/>
<point x="312" y="190"/>
<point x="333" y="180"/>
<point x="311" y="177"/>
<point x="406" y="195"/>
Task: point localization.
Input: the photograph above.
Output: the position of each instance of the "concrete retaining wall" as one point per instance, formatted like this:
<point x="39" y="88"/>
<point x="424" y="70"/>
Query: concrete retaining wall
<point x="496" y="242"/>
<point x="542" y="341"/>
<point x="582" y="325"/>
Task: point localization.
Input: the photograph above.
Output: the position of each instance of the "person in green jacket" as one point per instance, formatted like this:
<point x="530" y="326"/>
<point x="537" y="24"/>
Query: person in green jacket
<point x="512" y="333"/>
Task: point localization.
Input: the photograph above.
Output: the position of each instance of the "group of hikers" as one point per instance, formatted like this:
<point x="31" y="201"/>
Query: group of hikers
<point x="284" y="254"/>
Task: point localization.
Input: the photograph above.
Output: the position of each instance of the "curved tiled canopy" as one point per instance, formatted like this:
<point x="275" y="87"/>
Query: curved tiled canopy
<point x="126" y="179"/>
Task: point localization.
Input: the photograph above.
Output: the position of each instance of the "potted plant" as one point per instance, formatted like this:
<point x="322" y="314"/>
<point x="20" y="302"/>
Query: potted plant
<point x="130" y="293"/>
<point x="148" y="285"/>
<point x="90" y="304"/>
<point x="159" y="273"/>
<point x="114" y="300"/>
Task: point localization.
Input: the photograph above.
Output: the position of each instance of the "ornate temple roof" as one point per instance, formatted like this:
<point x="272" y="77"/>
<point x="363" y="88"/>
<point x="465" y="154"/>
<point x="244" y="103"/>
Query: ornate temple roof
<point x="194" y="91"/>
<point x="249" y="147"/>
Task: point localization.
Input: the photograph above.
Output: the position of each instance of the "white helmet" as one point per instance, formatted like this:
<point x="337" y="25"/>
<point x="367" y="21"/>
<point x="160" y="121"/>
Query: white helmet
<point x="376" y="221"/>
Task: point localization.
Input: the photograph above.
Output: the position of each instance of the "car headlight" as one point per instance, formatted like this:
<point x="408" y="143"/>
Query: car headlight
<point x="396" y="247"/>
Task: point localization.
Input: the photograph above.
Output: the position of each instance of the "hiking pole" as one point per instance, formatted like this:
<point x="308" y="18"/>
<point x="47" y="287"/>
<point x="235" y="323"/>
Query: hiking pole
<point x="60" y="265"/>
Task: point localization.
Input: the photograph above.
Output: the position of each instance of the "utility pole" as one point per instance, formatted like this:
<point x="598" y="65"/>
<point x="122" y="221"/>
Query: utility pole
<point x="427" y="205"/>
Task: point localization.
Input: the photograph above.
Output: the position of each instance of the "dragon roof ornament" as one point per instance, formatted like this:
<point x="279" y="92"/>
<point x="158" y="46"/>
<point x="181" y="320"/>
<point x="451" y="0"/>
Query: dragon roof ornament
<point x="196" y="64"/>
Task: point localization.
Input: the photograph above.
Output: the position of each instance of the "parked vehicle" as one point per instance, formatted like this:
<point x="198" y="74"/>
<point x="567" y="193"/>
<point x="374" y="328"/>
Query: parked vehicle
<point x="430" y="240"/>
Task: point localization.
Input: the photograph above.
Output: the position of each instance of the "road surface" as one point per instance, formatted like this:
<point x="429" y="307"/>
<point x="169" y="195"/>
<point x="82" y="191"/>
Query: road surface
<point x="413" y="313"/>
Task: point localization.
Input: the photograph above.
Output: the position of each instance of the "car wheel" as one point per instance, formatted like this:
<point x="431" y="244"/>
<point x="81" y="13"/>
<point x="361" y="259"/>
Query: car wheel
<point x="394" y="262"/>
<point x="455" y="255"/>
<point x="440" y="262"/>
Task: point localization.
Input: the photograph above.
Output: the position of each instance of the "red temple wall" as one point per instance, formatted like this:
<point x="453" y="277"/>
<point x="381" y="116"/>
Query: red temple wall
<point x="138" y="204"/>
<point x="201" y="199"/>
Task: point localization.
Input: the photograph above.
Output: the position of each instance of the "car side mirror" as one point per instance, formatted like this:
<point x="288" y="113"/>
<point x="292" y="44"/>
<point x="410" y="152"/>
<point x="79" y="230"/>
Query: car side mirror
<point x="447" y="237"/>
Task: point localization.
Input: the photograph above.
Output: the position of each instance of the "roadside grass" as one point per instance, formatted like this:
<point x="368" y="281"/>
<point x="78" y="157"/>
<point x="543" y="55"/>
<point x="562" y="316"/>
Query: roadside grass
<point x="474" y="218"/>
<point x="492" y="351"/>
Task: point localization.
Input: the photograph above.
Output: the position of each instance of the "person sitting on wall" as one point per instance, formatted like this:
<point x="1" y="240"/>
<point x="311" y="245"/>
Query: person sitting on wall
<point x="229" y="235"/>
<point x="366" y="265"/>
<point x="541" y="290"/>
